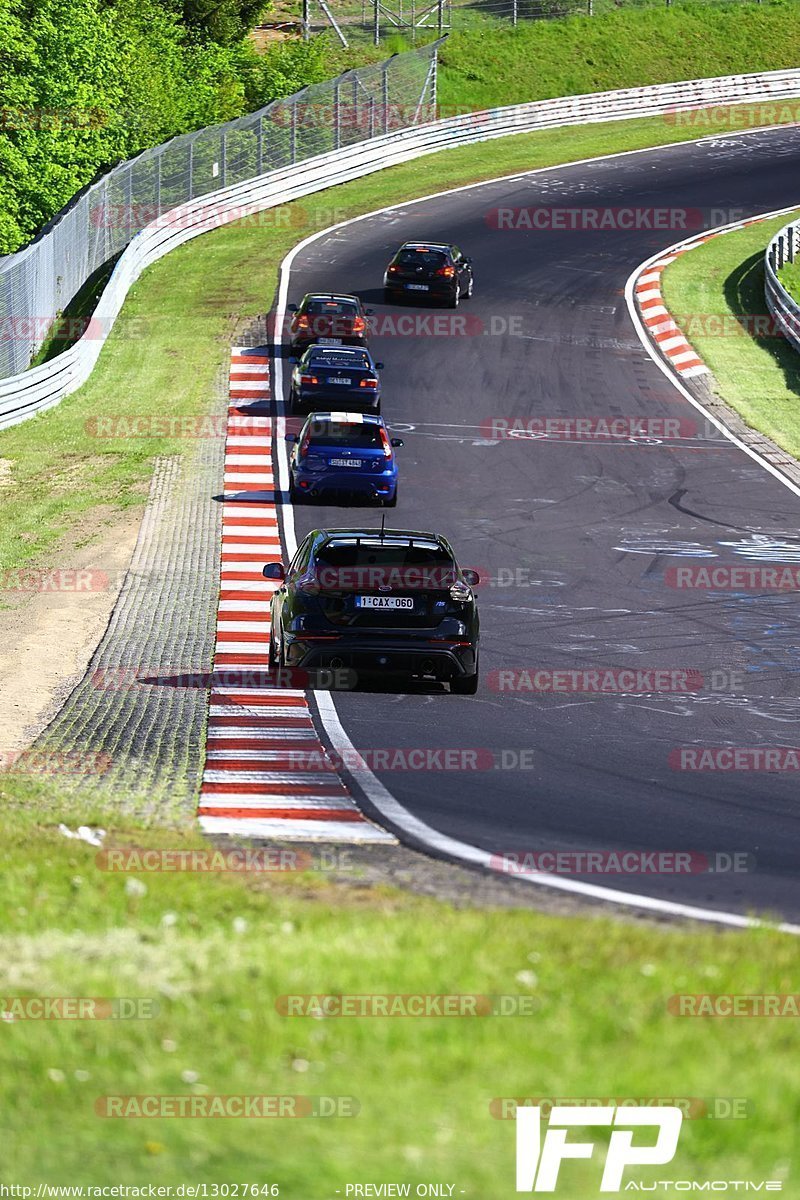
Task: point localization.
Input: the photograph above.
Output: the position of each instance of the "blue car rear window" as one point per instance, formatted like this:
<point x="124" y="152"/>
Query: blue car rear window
<point x="337" y="433"/>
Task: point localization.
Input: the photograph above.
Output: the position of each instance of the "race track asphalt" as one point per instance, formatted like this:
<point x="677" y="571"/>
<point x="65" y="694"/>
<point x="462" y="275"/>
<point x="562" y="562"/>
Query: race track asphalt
<point x="578" y="536"/>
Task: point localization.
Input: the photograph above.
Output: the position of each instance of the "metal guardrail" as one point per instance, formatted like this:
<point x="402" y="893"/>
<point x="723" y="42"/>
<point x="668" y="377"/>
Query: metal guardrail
<point x="39" y="281"/>
<point x="35" y="390"/>
<point x="781" y="304"/>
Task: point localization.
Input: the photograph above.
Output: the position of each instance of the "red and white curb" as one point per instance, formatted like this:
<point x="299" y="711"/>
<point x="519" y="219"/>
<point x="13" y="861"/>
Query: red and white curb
<point x="260" y="737"/>
<point x="662" y="330"/>
<point x="659" y="324"/>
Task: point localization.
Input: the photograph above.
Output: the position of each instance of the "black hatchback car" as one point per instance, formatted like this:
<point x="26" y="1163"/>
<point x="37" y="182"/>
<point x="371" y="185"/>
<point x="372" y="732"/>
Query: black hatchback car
<point x="328" y="319"/>
<point x="377" y="601"/>
<point x="422" y="270"/>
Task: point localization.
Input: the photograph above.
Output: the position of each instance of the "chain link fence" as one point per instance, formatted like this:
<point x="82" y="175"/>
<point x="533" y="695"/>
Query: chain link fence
<point x="37" y="283"/>
<point x="357" y="20"/>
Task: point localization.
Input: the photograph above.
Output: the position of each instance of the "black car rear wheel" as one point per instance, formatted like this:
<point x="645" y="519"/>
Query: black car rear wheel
<point x="465" y="685"/>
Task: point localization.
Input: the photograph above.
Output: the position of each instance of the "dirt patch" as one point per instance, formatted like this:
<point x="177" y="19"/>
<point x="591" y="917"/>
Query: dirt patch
<point x="54" y="619"/>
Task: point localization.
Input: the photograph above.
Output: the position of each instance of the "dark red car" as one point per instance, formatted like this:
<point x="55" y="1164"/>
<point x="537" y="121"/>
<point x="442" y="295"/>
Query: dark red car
<point x="325" y="319"/>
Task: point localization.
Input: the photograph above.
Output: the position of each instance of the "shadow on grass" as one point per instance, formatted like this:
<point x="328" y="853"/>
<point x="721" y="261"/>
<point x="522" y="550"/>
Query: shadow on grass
<point x="72" y="323"/>
<point x="744" y="292"/>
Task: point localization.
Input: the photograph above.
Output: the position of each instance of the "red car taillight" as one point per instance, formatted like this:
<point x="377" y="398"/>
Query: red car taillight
<point x="301" y="322"/>
<point x="448" y="272"/>
<point x="368" y="383"/>
<point x="359" y="325"/>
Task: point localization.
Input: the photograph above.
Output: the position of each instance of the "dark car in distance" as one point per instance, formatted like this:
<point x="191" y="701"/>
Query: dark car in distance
<point x="376" y="601"/>
<point x="428" y="270"/>
<point x="328" y="319"/>
<point x="345" y="376"/>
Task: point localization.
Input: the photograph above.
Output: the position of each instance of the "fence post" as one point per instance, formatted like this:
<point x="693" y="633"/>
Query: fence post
<point x="440" y="16"/>
<point x="385" y="94"/>
<point x="354" y="119"/>
<point x="129" y="204"/>
<point x="260" y="147"/>
<point x="158" y="183"/>
<point x="223" y="156"/>
<point x="293" y="138"/>
<point x="306" y="30"/>
<point x="590" y="7"/>
<point x="514" y="11"/>
<point x="191" y="169"/>
<point x="336" y="116"/>
<point x="376" y="37"/>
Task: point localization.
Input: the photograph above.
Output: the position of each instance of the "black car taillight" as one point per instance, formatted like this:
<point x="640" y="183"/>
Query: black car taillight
<point x="460" y="591"/>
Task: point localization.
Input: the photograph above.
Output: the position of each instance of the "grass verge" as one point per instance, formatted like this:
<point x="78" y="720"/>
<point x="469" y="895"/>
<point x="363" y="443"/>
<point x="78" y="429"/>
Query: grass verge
<point x="487" y="62"/>
<point x="214" y="952"/>
<point x="716" y="294"/>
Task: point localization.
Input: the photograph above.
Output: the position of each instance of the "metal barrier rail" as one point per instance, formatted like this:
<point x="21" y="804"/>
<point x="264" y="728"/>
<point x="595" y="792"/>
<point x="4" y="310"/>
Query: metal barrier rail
<point x="783" y="307"/>
<point x="35" y="390"/>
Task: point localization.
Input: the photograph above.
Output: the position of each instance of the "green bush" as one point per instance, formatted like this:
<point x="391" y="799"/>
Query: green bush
<point x="85" y="84"/>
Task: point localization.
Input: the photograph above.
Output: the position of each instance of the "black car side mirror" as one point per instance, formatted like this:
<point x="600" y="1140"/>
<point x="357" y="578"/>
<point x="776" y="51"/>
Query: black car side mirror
<point x="274" y="571"/>
<point x="398" y="442"/>
<point x="471" y="577"/>
<point x="369" y="312"/>
<point x="291" y="307"/>
<point x="378" y="366"/>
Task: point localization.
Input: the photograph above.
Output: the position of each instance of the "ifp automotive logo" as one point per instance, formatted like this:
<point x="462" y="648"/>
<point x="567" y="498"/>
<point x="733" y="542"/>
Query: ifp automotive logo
<point x="538" y="1160"/>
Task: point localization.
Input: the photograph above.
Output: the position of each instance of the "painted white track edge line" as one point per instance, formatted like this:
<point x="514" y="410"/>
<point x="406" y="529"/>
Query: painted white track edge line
<point x="375" y="791"/>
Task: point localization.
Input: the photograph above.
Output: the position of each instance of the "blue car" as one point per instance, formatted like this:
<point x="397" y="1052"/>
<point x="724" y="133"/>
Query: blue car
<point x="341" y="375"/>
<point x="348" y="453"/>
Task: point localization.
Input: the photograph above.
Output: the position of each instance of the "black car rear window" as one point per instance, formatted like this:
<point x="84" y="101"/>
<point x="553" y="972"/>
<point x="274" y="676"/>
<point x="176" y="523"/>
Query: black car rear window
<point x="421" y="258"/>
<point x="331" y="308"/>
<point x="367" y="565"/>
<point x="341" y="433"/>
<point x="338" y="358"/>
<point x="350" y="554"/>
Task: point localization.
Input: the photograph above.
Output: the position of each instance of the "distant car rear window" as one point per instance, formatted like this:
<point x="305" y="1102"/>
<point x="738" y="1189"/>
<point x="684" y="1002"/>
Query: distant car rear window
<point x="331" y="308"/>
<point x="338" y="358"/>
<point x="341" y="433"/>
<point x="421" y="258"/>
